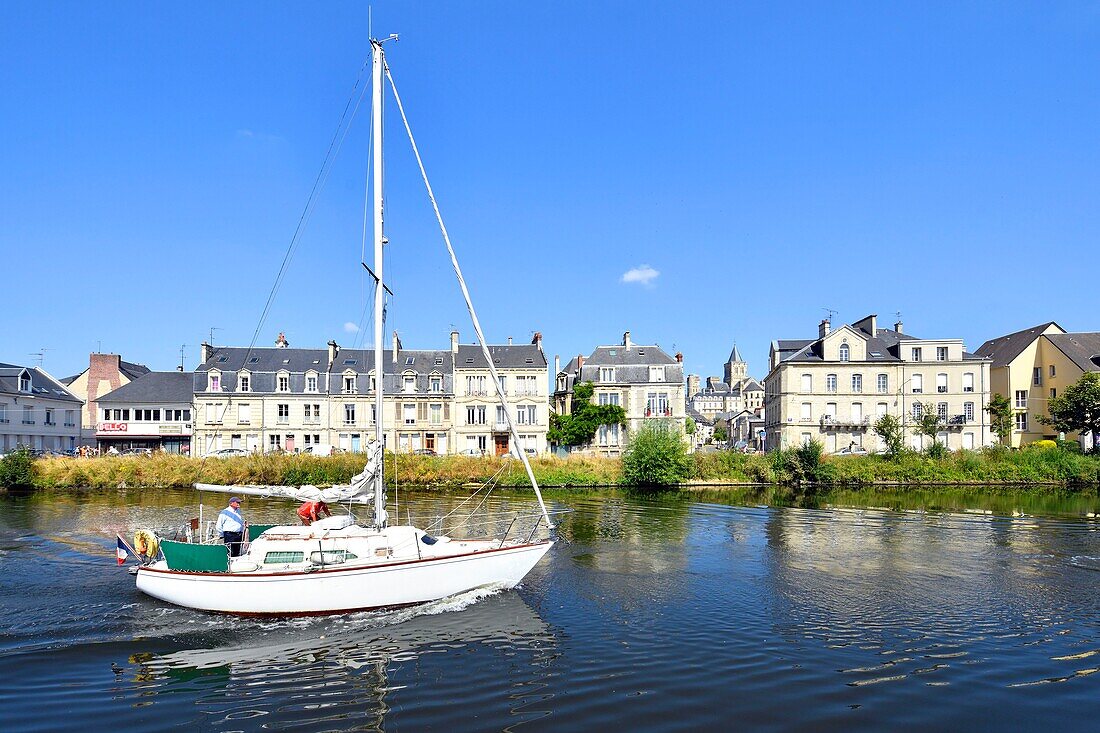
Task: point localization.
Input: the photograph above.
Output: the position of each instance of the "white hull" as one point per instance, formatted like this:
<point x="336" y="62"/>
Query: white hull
<point x="342" y="589"/>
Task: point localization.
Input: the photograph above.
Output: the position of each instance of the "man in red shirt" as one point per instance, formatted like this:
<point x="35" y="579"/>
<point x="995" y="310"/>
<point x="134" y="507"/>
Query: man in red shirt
<point x="310" y="511"/>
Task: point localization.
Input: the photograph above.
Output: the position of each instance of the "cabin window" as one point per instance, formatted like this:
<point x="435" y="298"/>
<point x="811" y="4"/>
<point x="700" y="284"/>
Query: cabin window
<point x="282" y="557"/>
<point x="331" y="557"/>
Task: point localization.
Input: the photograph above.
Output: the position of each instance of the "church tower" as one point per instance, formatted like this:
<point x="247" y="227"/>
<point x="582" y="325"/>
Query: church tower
<point x="737" y="370"/>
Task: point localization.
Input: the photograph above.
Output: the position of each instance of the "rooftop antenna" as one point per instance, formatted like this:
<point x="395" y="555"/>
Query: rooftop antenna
<point x="182" y="348"/>
<point x="898" y="314"/>
<point x="39" y="356"/>
<point x="832" y="314"/>
<point x="212" y="330"/>
<point x="99" y="347"/>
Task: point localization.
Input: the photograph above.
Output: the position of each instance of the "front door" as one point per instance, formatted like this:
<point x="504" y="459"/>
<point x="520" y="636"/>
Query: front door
<point x="500" y="442"/>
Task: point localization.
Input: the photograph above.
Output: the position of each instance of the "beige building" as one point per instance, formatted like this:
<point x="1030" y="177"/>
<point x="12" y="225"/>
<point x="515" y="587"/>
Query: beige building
<point x="645" y="381"/>
<point x="315" y="400"/>
<point x="1032" y="366"/>
<point x="833" y="388"/>
<point x="105" y="373"/>
<point x="36" y="411"/>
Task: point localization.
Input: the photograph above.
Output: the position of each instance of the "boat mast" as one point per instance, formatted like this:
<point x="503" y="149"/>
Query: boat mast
<point x="379" y="291"/>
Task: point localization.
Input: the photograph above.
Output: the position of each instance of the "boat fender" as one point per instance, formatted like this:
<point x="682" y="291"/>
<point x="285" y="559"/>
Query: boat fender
<point x="145" y="542"/>
<point x="427" y="539"/>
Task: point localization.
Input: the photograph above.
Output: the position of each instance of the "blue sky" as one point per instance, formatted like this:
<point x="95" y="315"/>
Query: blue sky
<point x="751" y="163"/>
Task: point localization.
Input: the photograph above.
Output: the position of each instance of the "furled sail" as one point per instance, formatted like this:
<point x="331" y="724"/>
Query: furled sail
<point x="358" y="491"/>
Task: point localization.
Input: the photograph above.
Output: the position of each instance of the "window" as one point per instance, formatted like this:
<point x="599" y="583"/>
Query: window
<point x="349" y="384"/>
<point x="311" y="383"/>
<point x="49" y="417"/>
<point x="28" y="415"/>
<point x="941" y="411"/>
<point x="213" y="412"/>
<point x="968" y="411"/>
<point x="830" y="411"/>
<point x="1053" y="393"/>
<point x="917" y="383"/>
<point x="883" y="381"/>
<point x="409" y="360"/>
<point x="1021" y="421"/>
<point x="475" y="386"/>
<point x="857" y="383"/>
<point x="607" y="374"/>
<point x="968" y="382"/>
<point x="408" y="413"/>
<point x="527" y="415"/>
<point x="941" y="353"/>
<point x="881" y="409"/>
<point x="657" y="405"/>
<point x="503" y="382"/>
<point x="917" y="410"/>
<point x="608" y="398"/>
<point x="502" y="416"/>
<point x="4" y="413"/>
<point x="807" y="412"/>
<point x="284" y="413"/>
<point x="349" y="414"/>
<point x="244" y="413"/>
<point x="70" y="417"/>
<point x="916" y="354"/>
<point x="283" y="557"/>
<point x="408" y="384"/>
<point x="244" y="383"/>
<point x="1021" y="399"/>
<point x="435" y="384"/>
<point x="24" y="383"/>
<point x="941" y="383"/>
<point x="435" y="414"/>
<point x="215" y="383"/>
<point x="1037" y="376"/>
<point x="527" y="385"/>
<point x="608" y="435"/>
<point x="845" y="352"/>
<point x="968" y="441"/>
<point x="857" y="412"/>
<point x="475" y="415"/>
<point x="1052" y="373"/>
<point x="807" y="383"/>
<point x="283" y="383"/>
<point x="275" y="442"/>
<point x="830" y="383"/>
<point x="806" y="438"/>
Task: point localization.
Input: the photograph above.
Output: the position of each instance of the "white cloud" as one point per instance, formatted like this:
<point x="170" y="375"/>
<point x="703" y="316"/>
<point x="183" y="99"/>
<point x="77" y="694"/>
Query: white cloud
<point x="351" y="327"/>
<point x="642" y="274"/>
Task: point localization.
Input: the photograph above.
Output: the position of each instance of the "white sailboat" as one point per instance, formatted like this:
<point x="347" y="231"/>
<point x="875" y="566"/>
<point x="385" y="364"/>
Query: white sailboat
<point x="339" y="564"/>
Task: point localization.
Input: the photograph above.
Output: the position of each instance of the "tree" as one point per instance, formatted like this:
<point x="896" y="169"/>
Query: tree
<point x="928" y="424"/>
<point x="689" y="426"/>
<point x="720" y="434"/>
<point x="656" y="456"/>
<point x="890" y="430"/>
<point x="585" y="418"/>
<point x="1077" y="409"/>
<point x="1000" y="416"/>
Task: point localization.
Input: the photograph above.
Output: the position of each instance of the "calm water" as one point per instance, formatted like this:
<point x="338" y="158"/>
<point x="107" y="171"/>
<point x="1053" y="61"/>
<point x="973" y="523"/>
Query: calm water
<point x="681" y="612"/>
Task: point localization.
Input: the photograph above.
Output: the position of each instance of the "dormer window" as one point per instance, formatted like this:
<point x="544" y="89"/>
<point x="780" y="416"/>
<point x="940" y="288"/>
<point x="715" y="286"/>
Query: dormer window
<point x="349" y="384"/>
<point x="656" y="374"/>
<point x="24" y="382"/>
<point x="282" y="383"/>
<point x="214" y="382"/>
<point x="845" y="353"/>
<point x="311" y="382"/>
<point x="244" y="383"/>
<point x="408" y="383"/>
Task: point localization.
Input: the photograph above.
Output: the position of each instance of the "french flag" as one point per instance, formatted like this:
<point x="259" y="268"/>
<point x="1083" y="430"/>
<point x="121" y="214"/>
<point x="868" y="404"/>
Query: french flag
<point x="123" y="550"/>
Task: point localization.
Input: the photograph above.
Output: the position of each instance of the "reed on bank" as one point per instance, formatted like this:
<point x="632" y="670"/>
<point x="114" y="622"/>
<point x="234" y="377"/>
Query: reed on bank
<point x="1031" y="466"/>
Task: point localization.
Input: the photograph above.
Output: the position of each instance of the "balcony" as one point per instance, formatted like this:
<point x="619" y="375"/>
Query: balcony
<point x="68" y="424"/>
<point x="656" y="412"/>
<point x="500" y="426"/>
<point x="942" y="389"/>
<point x="28" y="422"/>
<point x="4" y="420"/>
<point x="832" y="422"/>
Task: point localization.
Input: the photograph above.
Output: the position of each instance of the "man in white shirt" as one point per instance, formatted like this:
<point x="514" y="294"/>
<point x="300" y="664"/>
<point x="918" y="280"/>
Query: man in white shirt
<point x="231" y="526"/>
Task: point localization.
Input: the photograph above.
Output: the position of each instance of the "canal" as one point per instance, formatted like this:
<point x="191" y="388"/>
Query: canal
<point x="681" y="611"/>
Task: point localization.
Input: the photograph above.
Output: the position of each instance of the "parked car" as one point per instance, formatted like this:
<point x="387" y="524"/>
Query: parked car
<point x="852" y="451"/>
<point x="229" y="453"/>
<point x="424" y="452"/>
<point x="471" y="452"/>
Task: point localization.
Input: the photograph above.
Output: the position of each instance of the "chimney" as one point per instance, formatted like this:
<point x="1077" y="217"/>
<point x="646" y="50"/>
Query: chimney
<point x="281" y="341"/>
<point x="204" y="355"/>
<point x="679" y="357"/>
<point x="874" y="325"/>
<point x="454" y="342"/>
<point x="396" y="346"/>
<point x="898" y="326"/>
<point x="537" y="340"/>
<point x="823" y="328"/>
<point x="333" y="350"/>
<point x="580" y="364"/>
<point x="557" y="364"/>
<point x="509" y="340"/>
<point x="179" y="368"/>
<point x="626" y="340"/>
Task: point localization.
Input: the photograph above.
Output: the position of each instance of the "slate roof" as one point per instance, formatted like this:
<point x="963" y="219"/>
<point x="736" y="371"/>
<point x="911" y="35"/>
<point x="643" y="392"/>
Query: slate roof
<point x="735" y="355"/>
<point x="264" y="359"/>
<point x="514" y="356"/>
<point x="1003" y="349"/>
<point x="42" y="384"/>
<point x="634" y="354"/>
<point x="699" y="417"/>
<point x="884" y="346"/>
<point x="752" y="386"/>
<point x="1083" y="349"/>
<point x="153" y="388"/>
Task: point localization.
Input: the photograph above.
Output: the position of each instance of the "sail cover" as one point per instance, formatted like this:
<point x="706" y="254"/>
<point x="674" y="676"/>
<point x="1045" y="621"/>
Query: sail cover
<point x="357" y="491"/>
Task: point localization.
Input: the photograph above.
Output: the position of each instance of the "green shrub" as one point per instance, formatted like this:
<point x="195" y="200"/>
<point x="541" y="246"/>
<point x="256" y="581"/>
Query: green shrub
<point x="1044" y="444"/>
<point x="937" y="451"/>
<point x="809" y="456"/>
<point x="17" y="470"/>
<point x="656" y="456"/>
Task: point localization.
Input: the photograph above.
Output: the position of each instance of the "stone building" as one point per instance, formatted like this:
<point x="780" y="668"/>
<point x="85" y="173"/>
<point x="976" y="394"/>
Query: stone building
<point x="832" y="388"/>
<point x="105" y="373"/>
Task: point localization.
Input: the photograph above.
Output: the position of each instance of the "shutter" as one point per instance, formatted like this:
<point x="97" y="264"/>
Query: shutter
<point x="446" y="411"/>
<point x="422" y="412"/>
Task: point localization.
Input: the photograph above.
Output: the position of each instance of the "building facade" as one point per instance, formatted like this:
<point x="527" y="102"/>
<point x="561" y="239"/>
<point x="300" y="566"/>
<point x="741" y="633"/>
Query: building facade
<point x="833" y="388"/>
<point x="152" y="413"/>
<point x="295" y="400"/>
<point x="733" y="392"/>
<point x="37" y="411"/>
<point x="645" y="381"/>
<point x="1032" y="366"/>
<point x="105" y="373"/>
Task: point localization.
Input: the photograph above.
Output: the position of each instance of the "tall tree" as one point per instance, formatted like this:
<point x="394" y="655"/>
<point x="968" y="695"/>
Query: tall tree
<point x="892" y="433"/>
<point x="1000" y="416"/>
<point x="1078" y="408"/>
